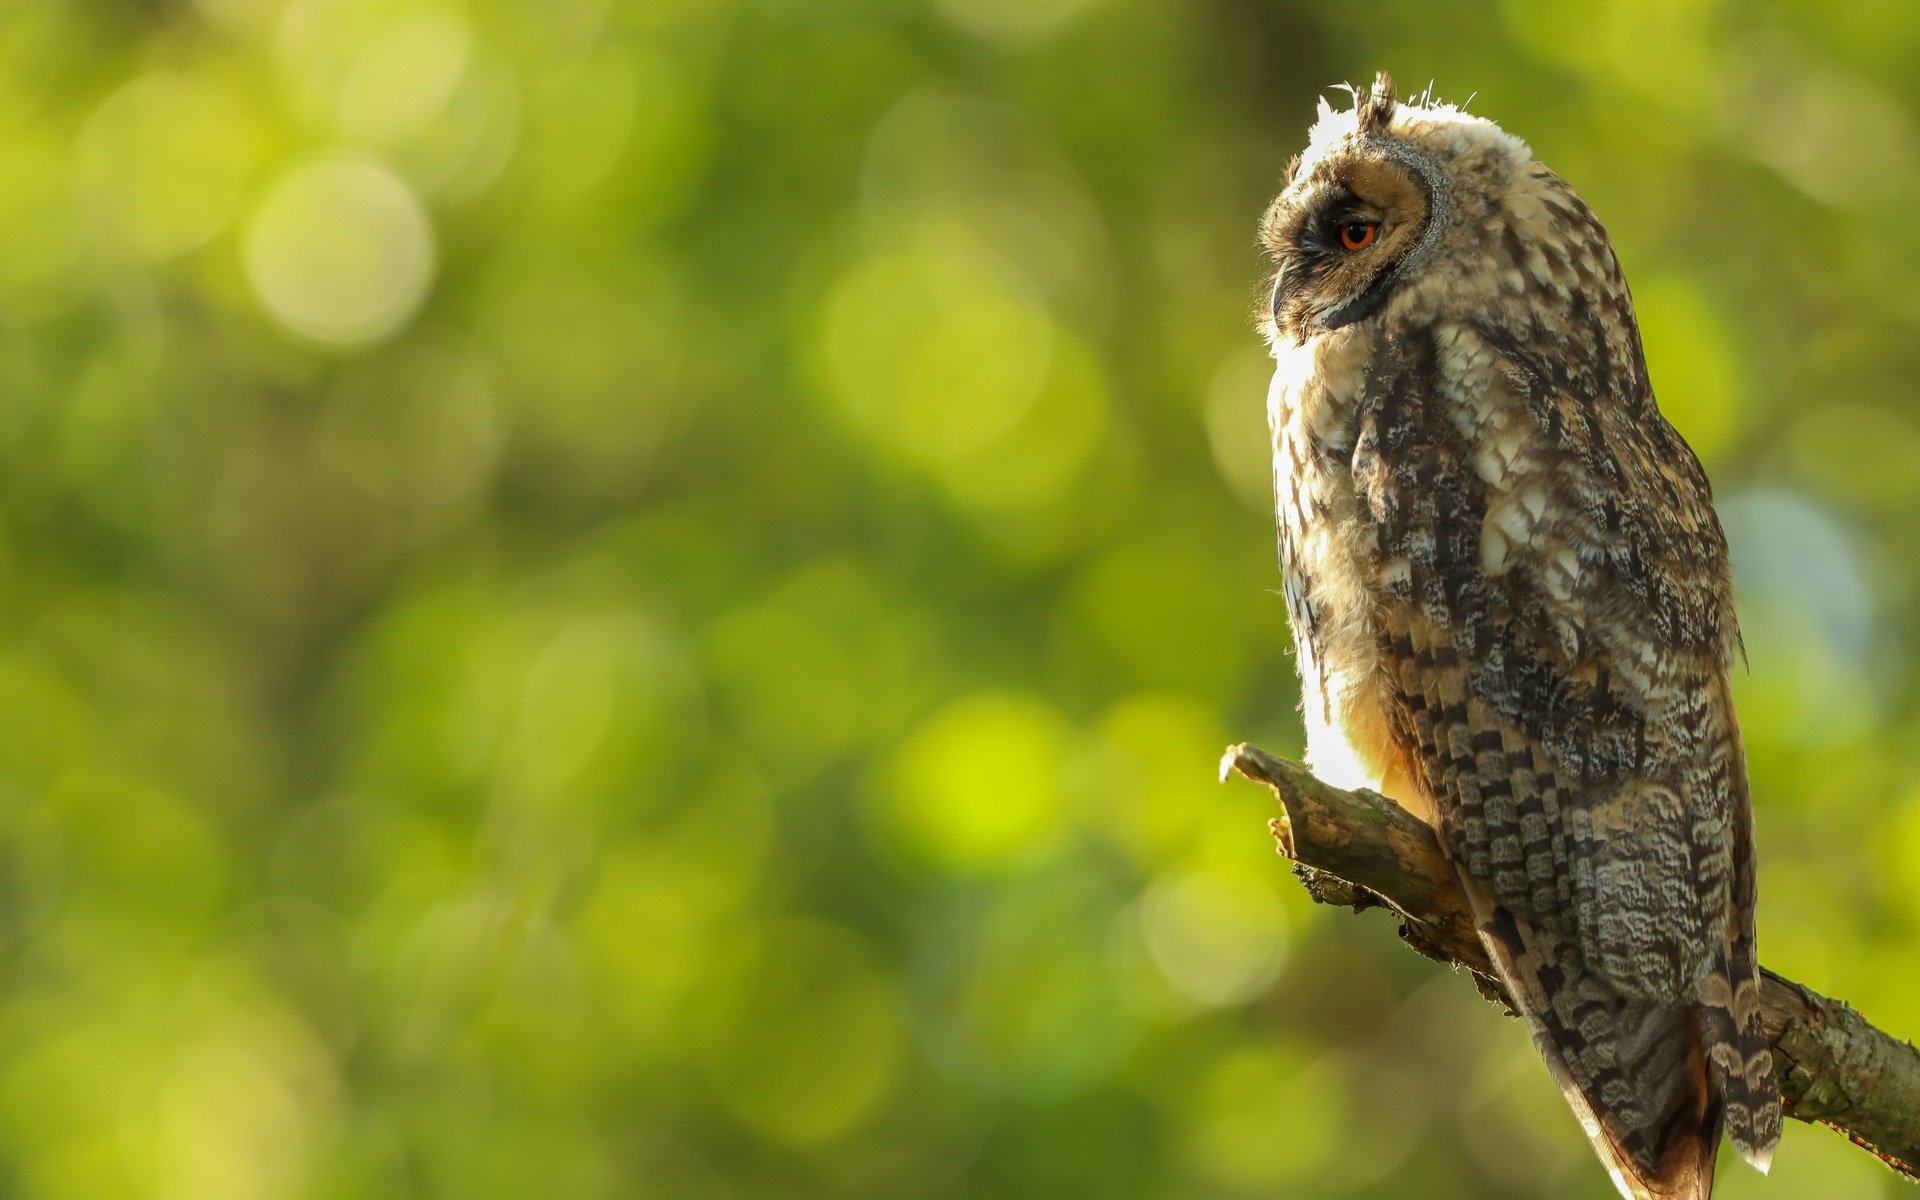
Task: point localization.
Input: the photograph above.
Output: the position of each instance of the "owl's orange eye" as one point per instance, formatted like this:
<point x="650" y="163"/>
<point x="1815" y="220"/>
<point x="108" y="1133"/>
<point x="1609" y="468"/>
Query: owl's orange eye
<point x="1358" y="235"/>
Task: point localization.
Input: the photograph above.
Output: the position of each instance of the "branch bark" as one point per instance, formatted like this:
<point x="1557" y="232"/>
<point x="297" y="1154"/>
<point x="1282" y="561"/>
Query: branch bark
<point x="1360" y="850"/>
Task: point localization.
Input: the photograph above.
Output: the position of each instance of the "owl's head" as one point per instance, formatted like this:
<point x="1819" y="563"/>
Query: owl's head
<point x="1385" y="192"/>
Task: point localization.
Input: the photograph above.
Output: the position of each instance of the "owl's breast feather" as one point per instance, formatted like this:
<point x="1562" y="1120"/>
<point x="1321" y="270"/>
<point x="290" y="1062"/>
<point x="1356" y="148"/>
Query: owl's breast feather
<point x="1330" y="561"/>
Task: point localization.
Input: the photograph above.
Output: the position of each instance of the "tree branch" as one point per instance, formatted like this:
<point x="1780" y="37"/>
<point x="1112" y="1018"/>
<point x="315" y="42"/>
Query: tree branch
<point x="1361" y="850"/>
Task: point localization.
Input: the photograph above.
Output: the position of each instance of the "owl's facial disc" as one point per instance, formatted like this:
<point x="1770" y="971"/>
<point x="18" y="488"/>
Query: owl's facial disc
<point x="1344" y="236"/>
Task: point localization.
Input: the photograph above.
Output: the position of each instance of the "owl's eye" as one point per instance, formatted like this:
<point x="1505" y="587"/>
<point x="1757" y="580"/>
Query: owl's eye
<point x="1358" y="235"/>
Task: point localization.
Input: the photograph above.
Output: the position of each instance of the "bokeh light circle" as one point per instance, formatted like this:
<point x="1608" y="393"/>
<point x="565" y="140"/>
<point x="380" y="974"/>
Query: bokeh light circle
<point x="1219" y="940"/>
<point x="165" y="161"/>
<point x="976" y="785"/>
<point x="341" y="251"/>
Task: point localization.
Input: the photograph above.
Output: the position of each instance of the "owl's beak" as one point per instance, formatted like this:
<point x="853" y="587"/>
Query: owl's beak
<point x="1279" y="289"/>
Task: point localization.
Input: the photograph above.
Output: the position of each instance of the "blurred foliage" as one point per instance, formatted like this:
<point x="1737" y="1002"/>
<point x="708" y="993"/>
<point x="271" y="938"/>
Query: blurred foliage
<point x="639" y="598"/>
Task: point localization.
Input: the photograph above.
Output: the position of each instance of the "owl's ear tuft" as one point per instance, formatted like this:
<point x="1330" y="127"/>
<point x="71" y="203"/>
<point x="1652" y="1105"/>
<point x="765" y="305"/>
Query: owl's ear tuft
<point x="1291" y="173"/>
<point x="1375" y="109"/>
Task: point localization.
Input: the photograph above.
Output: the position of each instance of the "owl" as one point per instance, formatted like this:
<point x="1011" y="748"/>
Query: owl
<point x="1513" y="611"/>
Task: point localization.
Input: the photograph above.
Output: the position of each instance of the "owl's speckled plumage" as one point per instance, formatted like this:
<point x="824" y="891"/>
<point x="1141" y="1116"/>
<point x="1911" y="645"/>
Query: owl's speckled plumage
<point x="1514" y="612"/>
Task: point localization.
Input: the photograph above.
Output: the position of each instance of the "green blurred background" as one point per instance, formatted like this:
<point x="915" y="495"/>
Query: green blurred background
<point x="638" y="598"/>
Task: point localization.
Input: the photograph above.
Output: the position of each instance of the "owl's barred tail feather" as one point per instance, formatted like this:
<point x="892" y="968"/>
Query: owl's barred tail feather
<point x="1636" y="1072"/>
<point x="1741" y="1065"/>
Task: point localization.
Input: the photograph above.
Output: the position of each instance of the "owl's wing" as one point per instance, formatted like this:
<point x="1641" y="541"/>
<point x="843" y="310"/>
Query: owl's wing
<point x="1559" y="629"/>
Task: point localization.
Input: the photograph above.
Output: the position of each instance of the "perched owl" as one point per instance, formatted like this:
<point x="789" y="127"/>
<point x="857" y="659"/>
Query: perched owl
<point x="1513" y="611"/>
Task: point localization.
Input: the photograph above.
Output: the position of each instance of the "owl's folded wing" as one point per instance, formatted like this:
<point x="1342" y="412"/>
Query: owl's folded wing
<point x="1558" y="632"/>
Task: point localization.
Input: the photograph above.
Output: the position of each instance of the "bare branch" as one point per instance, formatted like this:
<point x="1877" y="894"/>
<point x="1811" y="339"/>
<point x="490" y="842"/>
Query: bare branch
<point x="1362" y="850"/>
